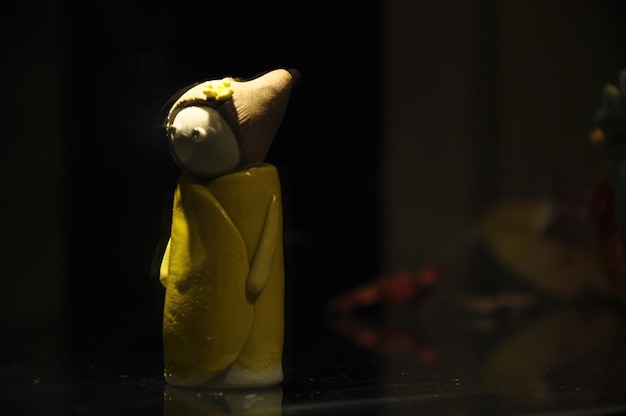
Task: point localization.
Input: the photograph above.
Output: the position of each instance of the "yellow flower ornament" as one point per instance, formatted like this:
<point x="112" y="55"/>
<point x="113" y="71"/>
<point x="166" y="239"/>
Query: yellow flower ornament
<point x="218" y="90"/>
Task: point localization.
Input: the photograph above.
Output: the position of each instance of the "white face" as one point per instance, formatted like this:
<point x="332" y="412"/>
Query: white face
<point x="203" y="142"/>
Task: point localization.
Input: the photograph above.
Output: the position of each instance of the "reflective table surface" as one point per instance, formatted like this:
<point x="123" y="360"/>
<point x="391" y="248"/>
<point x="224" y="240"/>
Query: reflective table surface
<point x="488" y="331"/>
<point x="555" y="359"/>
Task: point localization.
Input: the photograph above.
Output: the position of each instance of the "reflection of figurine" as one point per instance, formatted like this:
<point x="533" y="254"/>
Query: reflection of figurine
<point x="223" y="266"/>
<point x="194" y="402"/>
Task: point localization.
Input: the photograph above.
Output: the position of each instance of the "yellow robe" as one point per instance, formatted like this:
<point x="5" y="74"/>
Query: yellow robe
<point x="223" y="272"/>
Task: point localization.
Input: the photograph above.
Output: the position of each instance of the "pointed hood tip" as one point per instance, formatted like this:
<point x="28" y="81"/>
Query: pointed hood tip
<point x="296" y="77"/>
<point x="264" y="101"/>
<point x="281" y="76"/>
<point x="289" y="75"/>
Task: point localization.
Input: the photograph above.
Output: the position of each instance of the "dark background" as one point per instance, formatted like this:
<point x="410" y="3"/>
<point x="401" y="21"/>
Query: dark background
<point x="89" y="176"/>
<point x="124" y="60"/>
<point x="475" y="91"/>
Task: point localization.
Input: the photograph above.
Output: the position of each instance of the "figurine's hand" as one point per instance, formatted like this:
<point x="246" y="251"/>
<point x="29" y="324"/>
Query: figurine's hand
<point x="165" y="265"/>
<point x="264" y="254"/>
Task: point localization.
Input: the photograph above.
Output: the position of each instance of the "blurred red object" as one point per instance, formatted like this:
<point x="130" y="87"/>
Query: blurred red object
<point x="388" y="290"/>
<point x="385" y="339"/>
<point x="606" y="237"/>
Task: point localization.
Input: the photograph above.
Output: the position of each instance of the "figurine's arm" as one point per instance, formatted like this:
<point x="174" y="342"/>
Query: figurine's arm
<point x="165" y="265"/>
<point x="264" y="254"/>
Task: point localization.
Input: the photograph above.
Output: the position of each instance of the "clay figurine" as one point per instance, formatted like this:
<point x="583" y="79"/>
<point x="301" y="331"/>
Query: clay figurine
<point x="223" y="319"/>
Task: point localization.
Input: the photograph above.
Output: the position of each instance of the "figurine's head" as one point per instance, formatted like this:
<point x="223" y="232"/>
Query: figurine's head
<point x="218" y="127"/>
